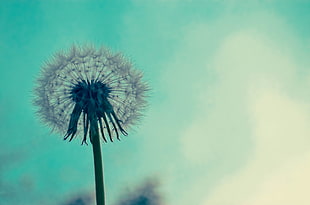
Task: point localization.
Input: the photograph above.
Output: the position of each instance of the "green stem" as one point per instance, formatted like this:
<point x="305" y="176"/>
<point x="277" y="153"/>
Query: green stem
<point x="94" y="134"/>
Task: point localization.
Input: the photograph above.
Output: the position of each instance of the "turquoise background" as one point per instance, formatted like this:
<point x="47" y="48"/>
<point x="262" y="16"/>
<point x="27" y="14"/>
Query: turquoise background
<point x="170" y="41"/>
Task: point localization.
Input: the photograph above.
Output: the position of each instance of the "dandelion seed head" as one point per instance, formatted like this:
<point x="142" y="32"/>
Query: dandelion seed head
<point x="88" y="82"/>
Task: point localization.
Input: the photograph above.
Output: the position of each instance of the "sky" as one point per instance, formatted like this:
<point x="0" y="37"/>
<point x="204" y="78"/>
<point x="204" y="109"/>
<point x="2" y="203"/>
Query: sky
<point x="229" y="107"/>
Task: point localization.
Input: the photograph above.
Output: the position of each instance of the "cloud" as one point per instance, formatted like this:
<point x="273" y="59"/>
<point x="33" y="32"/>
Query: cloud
<point x="244" y="103"/>
<point x="145" y="194"/>
<point x="279" y="164"/>
<point x="288" y="185"/>
<point x="10" y="190"/>
<point x="244" y="60"/>
<point x="80" y="199"/>
<point x="252" y="123"/>
<point x="235" y="106"/>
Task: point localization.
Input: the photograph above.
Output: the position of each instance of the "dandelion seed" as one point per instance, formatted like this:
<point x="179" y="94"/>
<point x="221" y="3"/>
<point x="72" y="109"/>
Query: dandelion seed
<point x="84" y="83"/>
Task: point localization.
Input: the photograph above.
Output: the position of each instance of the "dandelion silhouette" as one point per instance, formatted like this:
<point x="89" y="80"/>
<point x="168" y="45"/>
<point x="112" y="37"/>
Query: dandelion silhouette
<point x="90" y="91"/>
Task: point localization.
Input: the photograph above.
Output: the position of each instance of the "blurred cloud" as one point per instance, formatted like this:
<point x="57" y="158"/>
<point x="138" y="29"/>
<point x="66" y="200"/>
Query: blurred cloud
<point x="252" y="123"/>
<point x="146" y="193"/>
<point x="11" y="191"/>
<point x="277" y="170"/>
<point x="287" y="185"/>
<point x="244" y="59"/>
<point x="80" y="199"/>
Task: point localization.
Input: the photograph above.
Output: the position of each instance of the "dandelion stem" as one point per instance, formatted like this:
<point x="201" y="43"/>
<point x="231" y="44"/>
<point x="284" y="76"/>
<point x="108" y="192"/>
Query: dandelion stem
<point x="94" y="135"/>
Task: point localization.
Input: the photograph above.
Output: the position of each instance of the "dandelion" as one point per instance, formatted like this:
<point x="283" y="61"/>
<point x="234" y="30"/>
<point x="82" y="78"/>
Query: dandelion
<point x="91" y="93"/>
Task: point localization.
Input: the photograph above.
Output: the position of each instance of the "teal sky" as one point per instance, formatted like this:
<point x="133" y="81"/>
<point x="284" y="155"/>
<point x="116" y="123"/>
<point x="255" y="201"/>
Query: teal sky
<point x="229" y="110"/>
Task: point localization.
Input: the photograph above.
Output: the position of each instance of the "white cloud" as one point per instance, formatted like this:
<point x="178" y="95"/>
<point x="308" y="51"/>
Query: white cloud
<point x="281" y="135"/>
<point x="288" y="185"/>
<point x="243" y="60"/>
<point x="229" y="101"/>
<point x="251" y="117"/>
<point x="281" y="124"/>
